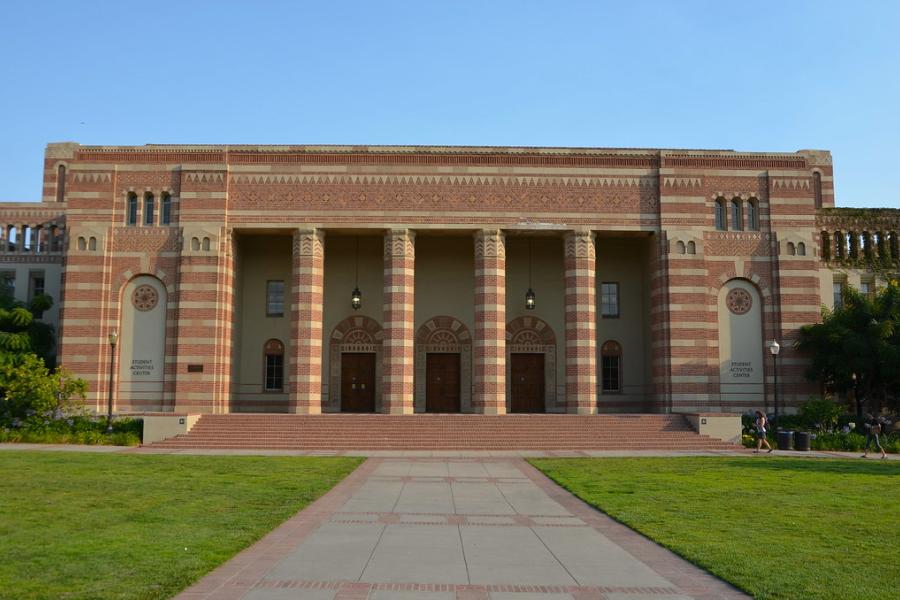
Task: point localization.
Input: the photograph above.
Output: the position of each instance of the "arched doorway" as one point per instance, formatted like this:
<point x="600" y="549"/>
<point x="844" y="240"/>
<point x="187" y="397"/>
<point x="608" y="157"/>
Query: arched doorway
<point x="741" y="367"/>
<point x="355" y="361"/>
<point x="142" y="345"/>
<point x="530" y="366"/>
<point x="443" y="366"/>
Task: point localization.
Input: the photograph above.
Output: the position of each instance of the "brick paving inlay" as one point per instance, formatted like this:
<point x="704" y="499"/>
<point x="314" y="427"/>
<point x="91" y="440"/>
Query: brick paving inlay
<point x="478" y="529"/>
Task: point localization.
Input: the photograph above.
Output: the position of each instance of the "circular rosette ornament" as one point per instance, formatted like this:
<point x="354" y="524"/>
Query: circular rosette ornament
<point x="144" y="298"/>
<point x="739" y="301"/>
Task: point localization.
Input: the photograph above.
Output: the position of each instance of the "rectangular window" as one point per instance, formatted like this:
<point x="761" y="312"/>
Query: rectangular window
<point x="148" y="210"/>
<point x="132" y="209"/>
<point x="36" y="288"/>
<point x="275" y="298"/>
<point x="838" y="294"/>
<point x="866" y="288"/>
<point x="274" y="372"/>
<point x="610" y="365"/>
<point x="609" y="299"/>
<point x="8" y="283"/>
<point x="166" y="216"/>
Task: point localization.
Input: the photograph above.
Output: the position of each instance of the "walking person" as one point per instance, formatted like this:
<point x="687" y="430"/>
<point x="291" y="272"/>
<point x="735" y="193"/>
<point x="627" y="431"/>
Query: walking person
<point x="873" y="431"/>
<point x="761" y="422"/>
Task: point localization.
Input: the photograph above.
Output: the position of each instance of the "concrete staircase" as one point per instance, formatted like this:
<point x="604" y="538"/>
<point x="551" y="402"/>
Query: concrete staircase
<point x="443" y="432"/>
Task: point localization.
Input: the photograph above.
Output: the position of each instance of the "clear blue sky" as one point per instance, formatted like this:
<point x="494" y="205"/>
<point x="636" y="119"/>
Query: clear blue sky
<point x="776" y="76"/>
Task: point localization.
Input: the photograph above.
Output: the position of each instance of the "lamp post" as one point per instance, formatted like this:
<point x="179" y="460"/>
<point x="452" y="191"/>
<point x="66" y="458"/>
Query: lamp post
<point x="774" y="349"/>
<point x="113" y="338"/>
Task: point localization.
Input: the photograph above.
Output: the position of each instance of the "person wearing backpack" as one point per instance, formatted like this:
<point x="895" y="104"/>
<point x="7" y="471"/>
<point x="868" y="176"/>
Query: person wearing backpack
<point x="873" y="431"/>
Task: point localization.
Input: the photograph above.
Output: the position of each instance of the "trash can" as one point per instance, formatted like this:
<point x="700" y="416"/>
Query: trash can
<point x="801" y="441"/>
<point x="785" y="439"/>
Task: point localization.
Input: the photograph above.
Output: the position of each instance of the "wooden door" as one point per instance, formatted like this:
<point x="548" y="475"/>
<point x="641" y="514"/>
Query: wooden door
<point x="442" y="382"/>
<point x="358" y="382"/>
<point x="527" y="385"/>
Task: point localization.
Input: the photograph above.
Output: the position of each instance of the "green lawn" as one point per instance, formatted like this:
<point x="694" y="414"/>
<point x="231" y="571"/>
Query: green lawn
<point x="95" y="526"/>
<point x="775" y="527"/>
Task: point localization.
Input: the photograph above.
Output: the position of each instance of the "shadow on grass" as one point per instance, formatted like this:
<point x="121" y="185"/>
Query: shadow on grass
<point x="821" y="465"/>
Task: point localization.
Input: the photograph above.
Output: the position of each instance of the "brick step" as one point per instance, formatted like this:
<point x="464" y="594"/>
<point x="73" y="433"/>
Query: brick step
<point x="443" y="432"/>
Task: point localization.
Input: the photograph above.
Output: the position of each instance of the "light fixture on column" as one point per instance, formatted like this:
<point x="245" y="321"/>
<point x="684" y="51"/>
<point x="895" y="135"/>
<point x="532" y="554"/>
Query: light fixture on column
<point x="529" y="295"/>
<point x="356" y="296"/>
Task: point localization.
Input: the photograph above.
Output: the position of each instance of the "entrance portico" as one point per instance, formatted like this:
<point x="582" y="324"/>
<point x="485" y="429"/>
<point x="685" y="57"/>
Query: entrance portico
<point x="436" y="336"/>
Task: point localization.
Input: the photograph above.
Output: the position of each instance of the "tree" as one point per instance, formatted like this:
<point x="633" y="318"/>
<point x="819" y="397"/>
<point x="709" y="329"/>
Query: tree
<point x="21" y="332"/>
<point x="857" y="347"/>
<point x="27" y="386"/>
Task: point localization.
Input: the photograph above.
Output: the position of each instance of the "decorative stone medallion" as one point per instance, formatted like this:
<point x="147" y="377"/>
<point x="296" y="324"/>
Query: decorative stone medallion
<point x="739" y="301"/>
<point x="144" y="298"/>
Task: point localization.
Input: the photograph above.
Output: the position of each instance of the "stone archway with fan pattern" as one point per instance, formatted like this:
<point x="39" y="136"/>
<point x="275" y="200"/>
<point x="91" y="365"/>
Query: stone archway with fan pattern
<point x="356" y="333"/>
<point x="531" y="335"/>
<point x="444" y="334"/>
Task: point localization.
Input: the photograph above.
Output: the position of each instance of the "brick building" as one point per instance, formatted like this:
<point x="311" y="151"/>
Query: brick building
<point x="488" y="280"/>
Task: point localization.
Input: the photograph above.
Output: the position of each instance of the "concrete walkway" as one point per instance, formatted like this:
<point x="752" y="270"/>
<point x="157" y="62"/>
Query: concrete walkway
<point x="454" y="528"/>
<point x="445" y="454"/>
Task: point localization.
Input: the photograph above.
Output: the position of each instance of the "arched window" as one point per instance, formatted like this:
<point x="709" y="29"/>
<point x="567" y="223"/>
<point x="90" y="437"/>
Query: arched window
<point x="12" y="239"/>
<point x="61" y="183"/>
<point x="839" y="245"/>
<point x="721" y="225"/>
<point x="817" y="188"/>
<point x="679" y="247"/>
<point x="195" y="244"/>
<point x="752" y="215"/>
<point x="92" y="243"/>
<point x="826" y="245"/>
<point x="149" y="203"/>
<point x="611" y="364"/>
<point x="27" y="237"/>
<point x="82" y="244"/>
<point x="894" y="245"/>
<point x="132" y="210"/>
<point x="790" y="249"/>
<point x="866" y="243"/>
<point x="801" y="249"/>
<point x="165" y="218"/>
<point x="274" y="366"/>
<point x="852" y="245"/>
<point x="737" y="215"/>
<point x="691" y="248"/>
<point x="206" y="244"/>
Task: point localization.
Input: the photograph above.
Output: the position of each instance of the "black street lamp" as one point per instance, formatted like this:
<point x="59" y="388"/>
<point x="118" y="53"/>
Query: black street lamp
<point x="113" y="338"/>
<point x="774" y="349"/>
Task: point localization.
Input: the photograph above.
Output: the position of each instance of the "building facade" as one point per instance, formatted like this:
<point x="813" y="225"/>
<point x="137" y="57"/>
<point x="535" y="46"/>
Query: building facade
<point x="310" y="279"/>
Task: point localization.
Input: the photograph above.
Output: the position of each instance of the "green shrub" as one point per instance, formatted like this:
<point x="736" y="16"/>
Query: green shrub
<point x="820" y="414"/>
<point x="74" y="430"/>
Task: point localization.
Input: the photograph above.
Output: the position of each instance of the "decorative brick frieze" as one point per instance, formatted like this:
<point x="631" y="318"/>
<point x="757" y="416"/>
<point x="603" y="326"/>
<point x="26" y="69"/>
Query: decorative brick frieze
<point x="399" y="334"/>
<point x="490" y="322"/>
<point x="581" y="323"/>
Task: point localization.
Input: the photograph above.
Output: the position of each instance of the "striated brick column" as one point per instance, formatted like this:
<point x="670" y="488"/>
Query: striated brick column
<point x="490" y="322"/>
<point x="307" y="311"/>
<point x="399" y="333"/>
<point x="581" y="323"/>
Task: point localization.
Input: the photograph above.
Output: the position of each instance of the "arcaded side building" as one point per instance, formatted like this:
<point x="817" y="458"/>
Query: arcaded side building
<point x="401" y="280"/>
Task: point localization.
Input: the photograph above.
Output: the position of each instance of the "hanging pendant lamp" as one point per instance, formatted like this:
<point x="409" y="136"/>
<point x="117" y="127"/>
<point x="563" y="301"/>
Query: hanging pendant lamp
<point x="356" y="295"/>
<point x="529" y="295"/>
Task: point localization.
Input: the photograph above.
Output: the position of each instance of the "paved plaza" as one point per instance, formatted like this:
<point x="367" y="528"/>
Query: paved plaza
<point x="454" y="528"/>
